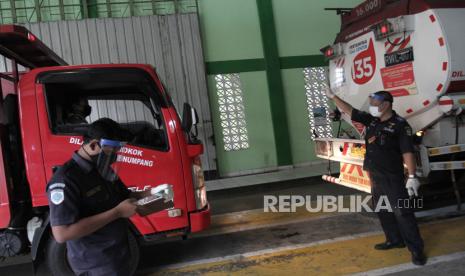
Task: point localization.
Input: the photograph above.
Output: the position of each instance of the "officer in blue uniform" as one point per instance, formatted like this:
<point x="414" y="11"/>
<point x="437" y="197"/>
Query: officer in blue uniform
<point x="89" y="205"/>
<point x="389" y="144"/>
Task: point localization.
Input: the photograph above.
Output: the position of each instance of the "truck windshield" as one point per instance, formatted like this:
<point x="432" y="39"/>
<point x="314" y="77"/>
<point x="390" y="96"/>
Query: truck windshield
<point x="77" y="100"/>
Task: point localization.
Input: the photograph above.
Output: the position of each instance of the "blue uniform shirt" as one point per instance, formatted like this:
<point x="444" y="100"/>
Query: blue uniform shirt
<point x="77" y="191"/>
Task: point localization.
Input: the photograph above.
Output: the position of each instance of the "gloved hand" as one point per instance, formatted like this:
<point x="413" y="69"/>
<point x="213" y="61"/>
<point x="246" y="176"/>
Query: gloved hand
<point x="329" y="93"/>
<point x="412" y="185"/>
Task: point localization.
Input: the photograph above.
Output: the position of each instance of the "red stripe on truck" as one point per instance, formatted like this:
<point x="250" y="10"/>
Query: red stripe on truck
<point x="441" y="41"/>
<point x="427" y="102"/>
<point x="359" y="170"/>
<point x="405" y="43"/>
<point x="351" y="169"/>
<point x="439" y="88"/>
<point x="409" y="110"/>
<point x="432" y="18"/>
<point x="446" y="102"/>
<point x="346" y="147"/>
<point x="393" y="45"/>
<point x="444" y="66"/>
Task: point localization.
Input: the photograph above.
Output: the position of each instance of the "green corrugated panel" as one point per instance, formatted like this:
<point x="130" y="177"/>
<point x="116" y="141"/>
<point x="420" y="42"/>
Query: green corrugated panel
<point x="141" y="9"/>
<point x="51" y="10"/>
<point x="26" y="11"/>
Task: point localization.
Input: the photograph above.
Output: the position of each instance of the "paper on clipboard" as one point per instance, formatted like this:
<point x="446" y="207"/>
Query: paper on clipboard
<point x="160" y="198"/>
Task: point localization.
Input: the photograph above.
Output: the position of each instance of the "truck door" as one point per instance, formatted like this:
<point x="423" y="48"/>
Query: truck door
<point x="67" y="105"/>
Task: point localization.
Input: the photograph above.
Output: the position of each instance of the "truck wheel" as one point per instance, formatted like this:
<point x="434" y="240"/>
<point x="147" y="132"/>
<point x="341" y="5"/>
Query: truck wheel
<point x="57" y="261"/>
<point x="135" y="253"/>
<point x="11" y="243"/>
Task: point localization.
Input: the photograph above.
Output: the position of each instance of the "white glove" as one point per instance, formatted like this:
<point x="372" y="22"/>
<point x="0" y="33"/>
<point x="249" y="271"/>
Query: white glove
<point x="329" y="93"/>
<point x="412" y="186"/>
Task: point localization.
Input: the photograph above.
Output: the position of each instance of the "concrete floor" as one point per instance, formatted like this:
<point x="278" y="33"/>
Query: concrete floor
<point x="249" y="198"/>
<point x="320" y="246"/>
<point x="244" y="240"/>
<point x="450" y="268"/>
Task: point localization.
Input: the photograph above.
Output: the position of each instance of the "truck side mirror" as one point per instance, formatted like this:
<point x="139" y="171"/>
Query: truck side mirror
<point x="190" y="119"/>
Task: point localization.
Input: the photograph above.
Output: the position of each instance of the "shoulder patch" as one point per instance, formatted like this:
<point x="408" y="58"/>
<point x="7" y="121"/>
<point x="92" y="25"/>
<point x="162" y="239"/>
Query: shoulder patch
<point x="56" y="185"/>
<point x="57" y="196"/>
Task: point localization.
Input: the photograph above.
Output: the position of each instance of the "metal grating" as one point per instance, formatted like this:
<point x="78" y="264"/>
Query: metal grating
<point x="31" y="11"/>
<point x="317" y="102"/>
<point x="232" y="115"/>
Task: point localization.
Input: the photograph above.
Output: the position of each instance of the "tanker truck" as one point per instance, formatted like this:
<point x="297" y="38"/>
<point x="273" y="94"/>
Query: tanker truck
<point x="415" y="50"/>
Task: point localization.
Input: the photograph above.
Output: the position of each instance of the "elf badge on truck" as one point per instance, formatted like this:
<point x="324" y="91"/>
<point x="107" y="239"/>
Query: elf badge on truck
<point x="37" y="137"/>
<point x="415" y="50"/>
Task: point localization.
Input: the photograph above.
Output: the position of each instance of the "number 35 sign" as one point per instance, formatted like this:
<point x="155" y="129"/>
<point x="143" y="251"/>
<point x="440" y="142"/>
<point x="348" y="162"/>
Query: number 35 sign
<point x="364" y="65"/>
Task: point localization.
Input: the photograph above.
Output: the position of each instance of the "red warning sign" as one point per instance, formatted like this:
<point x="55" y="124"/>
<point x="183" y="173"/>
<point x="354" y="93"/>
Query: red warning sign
<point x="364" y="66"/>
<point x="399" y="79"/>
<point x="354" y="174"/>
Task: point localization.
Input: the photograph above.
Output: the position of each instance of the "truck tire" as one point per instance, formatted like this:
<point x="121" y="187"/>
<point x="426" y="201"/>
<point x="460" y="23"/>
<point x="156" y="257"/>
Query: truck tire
<point x="135" y="253"/>
<point x="57" y="261"/>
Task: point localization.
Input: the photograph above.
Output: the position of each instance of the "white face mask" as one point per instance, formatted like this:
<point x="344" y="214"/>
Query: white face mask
<point x="374" y="111"/>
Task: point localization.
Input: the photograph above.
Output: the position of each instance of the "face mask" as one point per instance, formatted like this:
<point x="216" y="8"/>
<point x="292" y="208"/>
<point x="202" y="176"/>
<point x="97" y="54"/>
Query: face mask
<point x="374" y="111"/>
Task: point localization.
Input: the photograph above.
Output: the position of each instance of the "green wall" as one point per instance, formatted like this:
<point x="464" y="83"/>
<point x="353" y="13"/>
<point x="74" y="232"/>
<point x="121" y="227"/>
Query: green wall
<point x="312" y="29"/>
<point x="232" y="42"/>
<point x="230" y="30"/>
<point x="296" y="101"/>
<point x="304" y="27"/>
<point x="261" y="153"/>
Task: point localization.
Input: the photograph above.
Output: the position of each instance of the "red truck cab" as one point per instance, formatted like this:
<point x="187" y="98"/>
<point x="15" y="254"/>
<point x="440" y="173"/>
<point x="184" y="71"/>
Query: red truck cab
<point x="163" y="149"/>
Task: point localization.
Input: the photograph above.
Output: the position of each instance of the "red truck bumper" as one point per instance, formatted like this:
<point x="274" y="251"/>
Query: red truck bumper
<point x="200" y="220"/>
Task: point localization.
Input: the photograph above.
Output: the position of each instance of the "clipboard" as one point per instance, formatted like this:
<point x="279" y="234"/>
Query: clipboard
<point x="160" y="198"/>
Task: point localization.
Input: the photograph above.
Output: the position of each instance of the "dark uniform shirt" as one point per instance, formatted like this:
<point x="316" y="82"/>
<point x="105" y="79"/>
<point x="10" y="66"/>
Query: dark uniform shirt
<point x="77" y="191"/>
<point x="385" y="142"/>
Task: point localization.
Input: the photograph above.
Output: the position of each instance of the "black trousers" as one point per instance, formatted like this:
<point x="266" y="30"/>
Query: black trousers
<point x="400" y="225"/>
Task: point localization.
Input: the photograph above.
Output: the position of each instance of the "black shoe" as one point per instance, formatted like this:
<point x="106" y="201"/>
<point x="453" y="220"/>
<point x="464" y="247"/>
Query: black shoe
<point x="418" y="258"/>
<point x="389" y="245"/>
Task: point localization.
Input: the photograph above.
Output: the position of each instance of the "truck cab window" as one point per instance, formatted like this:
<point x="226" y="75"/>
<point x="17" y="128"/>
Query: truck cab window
<point x="73" y="106"/>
